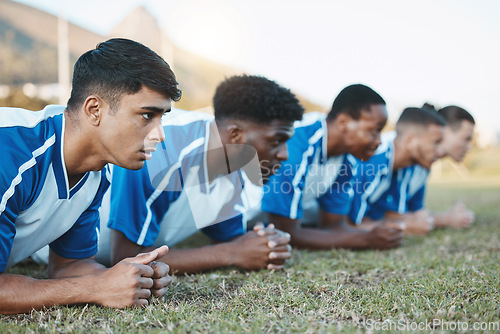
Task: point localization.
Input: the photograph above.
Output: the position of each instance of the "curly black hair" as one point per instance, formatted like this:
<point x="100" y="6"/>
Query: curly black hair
<point x="353" y="99"/>
<point x="255" y="98"/>
<point x="120" y="66"/>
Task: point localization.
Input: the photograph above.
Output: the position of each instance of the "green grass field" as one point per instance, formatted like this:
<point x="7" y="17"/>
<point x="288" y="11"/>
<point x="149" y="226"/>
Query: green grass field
<point x="448" y="281"/>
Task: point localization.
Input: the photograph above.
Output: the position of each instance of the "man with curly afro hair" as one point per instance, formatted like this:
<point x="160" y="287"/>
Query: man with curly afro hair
<point x="197" y="180"/>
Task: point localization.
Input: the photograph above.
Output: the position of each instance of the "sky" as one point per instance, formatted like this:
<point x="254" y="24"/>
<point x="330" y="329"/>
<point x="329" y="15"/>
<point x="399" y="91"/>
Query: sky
<point x="438" y="51"/>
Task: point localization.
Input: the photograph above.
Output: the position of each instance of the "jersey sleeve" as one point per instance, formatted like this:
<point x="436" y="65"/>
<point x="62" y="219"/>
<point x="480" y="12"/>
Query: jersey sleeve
<point x="416" y="202"/>
<point x="16" y="185"/>
<point x="81" y="240"/>
<point x="137" y="208"/>
<point x="337" y="200"/>
<point x="226" y="230"/>
<point x="10" y="206"/>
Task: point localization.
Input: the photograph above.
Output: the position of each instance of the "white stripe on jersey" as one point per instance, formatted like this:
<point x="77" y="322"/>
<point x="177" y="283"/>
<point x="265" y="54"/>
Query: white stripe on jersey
<point x="163" y="184"/>
<point x="26" y="118"/>
<point x="24" y="167"/>
<point x="302" y="170"/>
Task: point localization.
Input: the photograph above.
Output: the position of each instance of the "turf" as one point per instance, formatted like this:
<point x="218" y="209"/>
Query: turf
<point x="447" y="281"/>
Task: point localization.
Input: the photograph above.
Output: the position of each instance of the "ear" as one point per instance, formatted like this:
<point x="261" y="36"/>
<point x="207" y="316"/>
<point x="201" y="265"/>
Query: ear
<point x="343" y="121"/>
<point x="93" y="109"/>
<point x="235" y="134"/>
<point x="411" y="140"/>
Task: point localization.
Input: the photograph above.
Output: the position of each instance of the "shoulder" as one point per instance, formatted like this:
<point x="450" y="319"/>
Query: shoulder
<point x="309" y="131"/>
<point x="28" y="136"/>
<point x="17" y="117"/>
<point x="311" y="122"/>
<point x="179" y="117"/>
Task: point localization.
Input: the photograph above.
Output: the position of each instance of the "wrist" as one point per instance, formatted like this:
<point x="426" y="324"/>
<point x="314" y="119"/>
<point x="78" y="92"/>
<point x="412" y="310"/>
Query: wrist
<point x="228" y="253"/>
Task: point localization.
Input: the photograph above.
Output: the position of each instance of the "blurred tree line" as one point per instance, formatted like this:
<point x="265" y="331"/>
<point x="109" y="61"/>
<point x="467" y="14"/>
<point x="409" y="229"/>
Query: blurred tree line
<point x="18" y="99"/>
<point x="23" y="59"/>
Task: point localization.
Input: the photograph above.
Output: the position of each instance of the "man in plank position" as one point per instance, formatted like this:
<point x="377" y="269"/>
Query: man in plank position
<point x="198" y="181"/>
<point x="314" y="184"/>
<point x="54" y="175"/>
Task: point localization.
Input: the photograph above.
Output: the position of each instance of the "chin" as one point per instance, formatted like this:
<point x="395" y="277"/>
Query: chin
<point x="136" y="165"/>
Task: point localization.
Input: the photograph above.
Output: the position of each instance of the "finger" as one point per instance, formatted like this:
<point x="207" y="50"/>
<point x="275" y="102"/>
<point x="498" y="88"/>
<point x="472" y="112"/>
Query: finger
<point x="145" y="282"/>
<point x="143" y="302"/>
<point x="161" y="283"/>
<point x="162" y="251"/>
<point x="266" y="231"/>
<point x="272" y="266"/>
<point x="143" y="258"/>
<point x="143" y="294"/>
<point x="282" y="248"/>
<point x="285" y="234"/>
<point x="279" y="255"/>
<point x="160" y="293"/>
<point x="277" y="240"/>
<point x="258" y="226"/>
<point x="160" y="269"/>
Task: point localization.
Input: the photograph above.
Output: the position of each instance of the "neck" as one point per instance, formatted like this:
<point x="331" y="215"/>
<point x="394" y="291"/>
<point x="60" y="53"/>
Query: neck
<point x="217" y="159"/>
<point x="79" y="156"/>
<point x="335" y="144"/>
<point x="402" y="157"/>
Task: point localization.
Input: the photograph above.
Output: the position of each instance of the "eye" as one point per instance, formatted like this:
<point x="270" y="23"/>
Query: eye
<point x="147" y="116"/>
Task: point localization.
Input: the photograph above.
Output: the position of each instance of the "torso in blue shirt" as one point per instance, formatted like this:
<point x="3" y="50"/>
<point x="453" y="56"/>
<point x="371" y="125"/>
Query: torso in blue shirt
<point x="309" y="175"/>
<point x="171" y="196"/>
<point x="380" y="189"/>
<point x="37" y="207"/>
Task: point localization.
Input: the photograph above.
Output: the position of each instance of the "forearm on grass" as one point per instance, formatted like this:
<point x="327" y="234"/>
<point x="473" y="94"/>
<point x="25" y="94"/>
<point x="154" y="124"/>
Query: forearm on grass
<point x="21" y="294"/>
<point x="180" y="260"/>
<point x="341" y="236"/>
<point x="200" y="259"/>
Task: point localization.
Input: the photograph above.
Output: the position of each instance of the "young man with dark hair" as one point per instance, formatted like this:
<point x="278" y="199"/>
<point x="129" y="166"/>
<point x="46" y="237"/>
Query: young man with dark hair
<point x="457" y="141"/>
<point x="198" y="181"/>
<point x="54" y="175"/>
<point x="393" y="180"/>
<point x="458" y="132"/>
<point x="318" y="172"/>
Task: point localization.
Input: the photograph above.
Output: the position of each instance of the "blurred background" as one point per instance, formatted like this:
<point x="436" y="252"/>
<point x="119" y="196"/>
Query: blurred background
<point x="442" y="52"/>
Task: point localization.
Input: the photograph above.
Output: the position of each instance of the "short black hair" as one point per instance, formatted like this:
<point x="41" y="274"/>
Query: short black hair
<point x="454" y="116"/>
<point x="120" y="66"/>
<point x="422" y="117"/>
<point x="353" y="99"/>
<point x="255" y="98"/>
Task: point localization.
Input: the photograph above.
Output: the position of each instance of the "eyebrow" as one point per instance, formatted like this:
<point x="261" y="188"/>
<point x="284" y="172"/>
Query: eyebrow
<point x="156" y="109"/>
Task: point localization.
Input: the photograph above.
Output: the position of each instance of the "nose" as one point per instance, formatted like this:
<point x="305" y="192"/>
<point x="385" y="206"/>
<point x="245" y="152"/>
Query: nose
<point x="282" y="154"/>
<point x="157" y="134"/>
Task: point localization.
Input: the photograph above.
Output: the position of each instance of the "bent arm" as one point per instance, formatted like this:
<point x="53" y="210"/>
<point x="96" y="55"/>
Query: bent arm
<point x="248" y="251"/>
<point x="60" y="267"/>
<point x="20" y="294"/>
<point x="180" y="260"/>
<point x="337" y="235"/>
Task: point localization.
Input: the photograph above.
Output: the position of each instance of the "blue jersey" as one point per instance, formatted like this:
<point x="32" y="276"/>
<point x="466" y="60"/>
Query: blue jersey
<point x="171" y="197"/>
<point x="309" y="174"/>
<point x="37" y="206"/>
<point x="380" y="189"/>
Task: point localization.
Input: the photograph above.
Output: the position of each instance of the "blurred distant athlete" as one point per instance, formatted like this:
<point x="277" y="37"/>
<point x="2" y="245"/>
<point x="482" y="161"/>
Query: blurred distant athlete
<point x="197" y="181"/>
<point x="317" y="176"/>
<point x="393" y="180"/>
<point x="53" y="177"/>
<point x="457" y="141"/>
